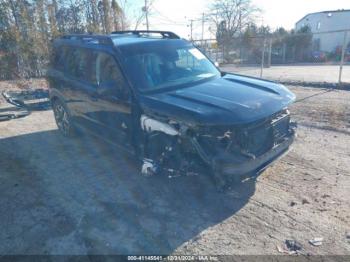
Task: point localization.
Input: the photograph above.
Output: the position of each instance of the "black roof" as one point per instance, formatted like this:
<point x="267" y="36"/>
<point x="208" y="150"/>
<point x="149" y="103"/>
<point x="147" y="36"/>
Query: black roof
<point x="119" y="37"/>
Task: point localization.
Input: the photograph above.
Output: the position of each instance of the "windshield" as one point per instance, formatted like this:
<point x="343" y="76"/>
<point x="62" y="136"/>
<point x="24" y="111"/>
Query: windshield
<point x="154" y="66"/>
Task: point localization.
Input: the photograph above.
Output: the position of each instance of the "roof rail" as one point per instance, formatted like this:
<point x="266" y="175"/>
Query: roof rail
<point x="102" y="39"/>
<point x="164" y="34"/>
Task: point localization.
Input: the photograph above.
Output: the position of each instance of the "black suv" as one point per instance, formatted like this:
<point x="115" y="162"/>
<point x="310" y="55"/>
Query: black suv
<point x="159" y="97"/>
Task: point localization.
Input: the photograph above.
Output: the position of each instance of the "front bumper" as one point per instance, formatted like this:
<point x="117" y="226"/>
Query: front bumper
<point x="258" y="164"/>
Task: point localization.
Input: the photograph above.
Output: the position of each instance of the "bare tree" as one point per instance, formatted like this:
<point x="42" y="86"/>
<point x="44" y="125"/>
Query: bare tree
<point x="231" y="16"/>
<point x="140" y="15"/>
<point x="119" y="19"/>
<point x="106" y="16"/>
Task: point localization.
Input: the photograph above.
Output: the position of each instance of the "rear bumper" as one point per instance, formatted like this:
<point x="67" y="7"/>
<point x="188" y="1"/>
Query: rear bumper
<point x="260" y="163"/>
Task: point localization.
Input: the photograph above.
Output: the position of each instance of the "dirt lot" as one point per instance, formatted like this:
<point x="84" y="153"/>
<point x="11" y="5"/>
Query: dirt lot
<point x="79" y="196"/>
<point x="295" y="73"/>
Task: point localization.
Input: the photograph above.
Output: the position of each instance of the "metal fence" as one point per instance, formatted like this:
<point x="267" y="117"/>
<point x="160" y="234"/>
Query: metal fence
<point x="322" y="57"/>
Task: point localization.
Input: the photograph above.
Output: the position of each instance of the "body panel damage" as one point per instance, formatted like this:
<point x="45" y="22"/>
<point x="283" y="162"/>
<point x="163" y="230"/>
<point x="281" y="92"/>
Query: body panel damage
<point x="230" y="99"/>
<point x="232" y="127"/>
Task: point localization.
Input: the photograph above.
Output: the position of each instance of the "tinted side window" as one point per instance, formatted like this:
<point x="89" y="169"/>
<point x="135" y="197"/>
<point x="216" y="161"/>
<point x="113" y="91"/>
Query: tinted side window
<point x="71" y="62"/>
<point x="58" y="58"/>
<point x="107" y="70"/>
<point x="78" y="63"/>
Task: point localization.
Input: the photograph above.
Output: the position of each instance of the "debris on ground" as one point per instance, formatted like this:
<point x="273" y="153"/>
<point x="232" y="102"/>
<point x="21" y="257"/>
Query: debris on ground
<point x="292" y="203"/>
<point x="12" y="115"/>
<point x="317" y="241"/>
<point x="24" y="102"/>
<point x="325" y="196"/>
<point x="293" y="245"/>
<point x="305" y="201"/>
<point x="281" y="250"/>
<point x="32" y="99"/>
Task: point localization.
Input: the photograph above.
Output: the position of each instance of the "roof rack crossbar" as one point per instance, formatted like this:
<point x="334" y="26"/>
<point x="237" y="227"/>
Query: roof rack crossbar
<point x="102" y="39"/>
<point x="164" y="34"/>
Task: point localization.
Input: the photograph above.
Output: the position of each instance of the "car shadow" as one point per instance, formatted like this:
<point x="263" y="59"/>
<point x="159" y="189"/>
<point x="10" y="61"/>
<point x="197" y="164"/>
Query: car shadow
<point x="78" y="196"/>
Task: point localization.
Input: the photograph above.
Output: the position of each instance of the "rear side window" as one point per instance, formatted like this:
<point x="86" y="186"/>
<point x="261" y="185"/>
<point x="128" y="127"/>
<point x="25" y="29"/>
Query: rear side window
<point x="77" y="63"/>
<point x="58" y="58"/>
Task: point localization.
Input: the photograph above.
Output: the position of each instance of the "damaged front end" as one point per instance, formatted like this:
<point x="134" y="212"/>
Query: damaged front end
<point x="167" y="148"/>
<point x="230" y="153"/>
<point x="240" y="151"/>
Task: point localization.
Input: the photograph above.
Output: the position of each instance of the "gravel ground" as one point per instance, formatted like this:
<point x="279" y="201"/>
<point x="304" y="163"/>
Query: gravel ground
<point x="295" y="73"/>
<point x="78" y="196"/>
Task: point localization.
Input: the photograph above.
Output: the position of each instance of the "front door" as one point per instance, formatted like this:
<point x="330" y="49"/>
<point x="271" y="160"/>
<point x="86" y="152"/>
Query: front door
<point x="112" y="106"/>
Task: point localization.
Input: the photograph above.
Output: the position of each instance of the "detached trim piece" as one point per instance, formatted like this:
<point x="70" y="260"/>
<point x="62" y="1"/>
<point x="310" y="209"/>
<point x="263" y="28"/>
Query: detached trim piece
<point x="10" y="116"/>
<point x="34" y="99"/>
<point x="38" y="100"/>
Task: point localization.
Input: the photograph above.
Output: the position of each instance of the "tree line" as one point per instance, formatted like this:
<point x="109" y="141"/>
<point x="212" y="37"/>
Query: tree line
<point x="27" y="29"/>
<point x="242" y="41"/>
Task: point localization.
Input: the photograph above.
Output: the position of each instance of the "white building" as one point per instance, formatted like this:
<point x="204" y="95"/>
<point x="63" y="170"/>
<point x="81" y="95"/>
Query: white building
<point x="324" y="22"/>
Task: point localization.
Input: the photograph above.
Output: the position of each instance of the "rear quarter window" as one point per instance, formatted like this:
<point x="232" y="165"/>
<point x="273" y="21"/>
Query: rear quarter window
<point x="58" y="58"/>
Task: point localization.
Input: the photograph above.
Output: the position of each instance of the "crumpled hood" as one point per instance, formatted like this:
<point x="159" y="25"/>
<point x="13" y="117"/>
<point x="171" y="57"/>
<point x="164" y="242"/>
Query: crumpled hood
<point x="229" y="100"/>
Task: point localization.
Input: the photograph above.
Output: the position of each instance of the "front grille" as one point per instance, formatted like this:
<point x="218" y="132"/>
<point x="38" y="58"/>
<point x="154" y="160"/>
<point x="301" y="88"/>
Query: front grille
<point x="255" y="139"/>
<point x="280" y="126"/>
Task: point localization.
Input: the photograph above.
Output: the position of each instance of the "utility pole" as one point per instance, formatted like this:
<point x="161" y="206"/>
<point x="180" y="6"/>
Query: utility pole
<point x="191" y="28"/>
<point x="269" y="53"/>
<point x="240" y="36"/>
<point x="262" y="58"/>
<point x="342" y="56"/>
<point x="146" y="13"/>
<point x="202" y="28"/>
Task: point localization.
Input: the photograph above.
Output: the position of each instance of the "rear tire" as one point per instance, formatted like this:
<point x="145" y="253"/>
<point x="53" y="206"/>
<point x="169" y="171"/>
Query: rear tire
<point x="63" y="119"/>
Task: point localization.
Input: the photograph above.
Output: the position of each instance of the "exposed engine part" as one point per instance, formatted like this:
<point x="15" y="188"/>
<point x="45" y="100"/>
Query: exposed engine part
<point x="151" y="125"/>
<point x="173" y="156"/>
<point x="218" y="151"/>
<point x="148" y="167"/>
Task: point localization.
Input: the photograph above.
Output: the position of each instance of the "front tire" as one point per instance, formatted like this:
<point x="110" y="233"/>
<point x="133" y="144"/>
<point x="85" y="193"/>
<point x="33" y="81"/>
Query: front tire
<point x="63" y="119"/>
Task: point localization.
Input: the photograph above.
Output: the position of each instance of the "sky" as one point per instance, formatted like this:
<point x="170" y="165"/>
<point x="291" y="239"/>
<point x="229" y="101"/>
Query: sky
<point x="175" y="15"/>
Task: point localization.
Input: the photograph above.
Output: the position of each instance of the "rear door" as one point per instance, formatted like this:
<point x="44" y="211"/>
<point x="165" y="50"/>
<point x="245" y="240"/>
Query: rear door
<point x="56" y="74"/>
<point x="81" y="90"/>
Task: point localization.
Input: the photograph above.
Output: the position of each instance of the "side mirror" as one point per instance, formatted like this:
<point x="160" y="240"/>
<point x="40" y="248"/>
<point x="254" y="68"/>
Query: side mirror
<point x="216" y="64"/>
